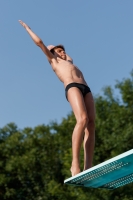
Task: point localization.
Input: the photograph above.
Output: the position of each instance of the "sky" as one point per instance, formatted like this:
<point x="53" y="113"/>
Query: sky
<point x="97" y="34"/>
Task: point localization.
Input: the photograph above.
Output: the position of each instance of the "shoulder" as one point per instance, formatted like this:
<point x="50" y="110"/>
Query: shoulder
<point x="68" y="58"/>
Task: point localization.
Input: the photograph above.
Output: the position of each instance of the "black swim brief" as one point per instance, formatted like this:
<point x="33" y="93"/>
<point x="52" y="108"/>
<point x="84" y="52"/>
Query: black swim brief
<point x="83" y="88"/>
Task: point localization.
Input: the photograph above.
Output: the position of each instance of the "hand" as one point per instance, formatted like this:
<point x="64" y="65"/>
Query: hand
<point x="23" y="24"/>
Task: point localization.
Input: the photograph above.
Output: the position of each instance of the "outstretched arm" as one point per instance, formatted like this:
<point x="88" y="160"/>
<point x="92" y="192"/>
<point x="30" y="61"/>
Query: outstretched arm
<point x="38" y="42"/>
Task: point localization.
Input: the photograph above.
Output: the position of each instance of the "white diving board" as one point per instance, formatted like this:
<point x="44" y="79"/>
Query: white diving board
<point x="111" y="174"/>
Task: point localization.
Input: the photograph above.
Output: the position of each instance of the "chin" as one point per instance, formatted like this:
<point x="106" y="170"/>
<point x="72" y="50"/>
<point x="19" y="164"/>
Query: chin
<point x="64" y="58"/>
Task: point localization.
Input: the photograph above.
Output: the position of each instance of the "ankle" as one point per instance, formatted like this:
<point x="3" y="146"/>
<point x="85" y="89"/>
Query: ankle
<point x="75" y="170"/>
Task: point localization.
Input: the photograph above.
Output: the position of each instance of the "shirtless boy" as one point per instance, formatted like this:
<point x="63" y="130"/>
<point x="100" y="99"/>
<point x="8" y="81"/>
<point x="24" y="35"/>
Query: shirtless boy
<point x="79" y="96"/>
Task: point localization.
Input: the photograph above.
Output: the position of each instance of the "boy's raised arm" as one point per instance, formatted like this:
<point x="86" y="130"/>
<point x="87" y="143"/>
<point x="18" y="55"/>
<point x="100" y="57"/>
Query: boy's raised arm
<point x="38" y="42"/>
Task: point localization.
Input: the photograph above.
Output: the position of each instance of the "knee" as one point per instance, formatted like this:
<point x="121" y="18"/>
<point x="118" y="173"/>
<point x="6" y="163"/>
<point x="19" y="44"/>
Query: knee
<point x="83" y="120"/>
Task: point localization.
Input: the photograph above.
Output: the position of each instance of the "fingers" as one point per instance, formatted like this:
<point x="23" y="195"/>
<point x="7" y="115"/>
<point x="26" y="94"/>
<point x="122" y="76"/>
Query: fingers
<point x="23" y="24"/>
<point x="20" y="21"/>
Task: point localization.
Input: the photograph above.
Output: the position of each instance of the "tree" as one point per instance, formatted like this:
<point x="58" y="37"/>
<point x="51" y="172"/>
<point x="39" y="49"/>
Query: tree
<point x="35" y="162"/>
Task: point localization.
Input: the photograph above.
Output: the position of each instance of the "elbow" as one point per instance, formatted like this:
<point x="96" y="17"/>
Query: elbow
<point x="39" y="42"/>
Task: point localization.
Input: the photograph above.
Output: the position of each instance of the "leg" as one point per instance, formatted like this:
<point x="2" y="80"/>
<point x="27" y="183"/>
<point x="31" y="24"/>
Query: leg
<point x="77" y="103"/>
<point x="89" y="137"/>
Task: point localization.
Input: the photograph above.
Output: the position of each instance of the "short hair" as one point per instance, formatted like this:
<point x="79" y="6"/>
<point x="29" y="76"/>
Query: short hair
<point x="58" y="46"/>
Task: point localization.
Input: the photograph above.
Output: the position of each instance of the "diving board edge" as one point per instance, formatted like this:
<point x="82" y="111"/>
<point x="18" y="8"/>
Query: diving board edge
<point x="116" y="158"/>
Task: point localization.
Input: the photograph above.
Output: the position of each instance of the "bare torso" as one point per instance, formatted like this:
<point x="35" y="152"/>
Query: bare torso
<point x="67" y="72"/>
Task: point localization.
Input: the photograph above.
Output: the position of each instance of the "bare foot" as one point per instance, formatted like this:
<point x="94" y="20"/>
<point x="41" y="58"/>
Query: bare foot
<point x="74" y="171"/>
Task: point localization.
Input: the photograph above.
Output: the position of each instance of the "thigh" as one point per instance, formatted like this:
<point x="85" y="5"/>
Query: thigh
<point x="90" y="106"/>
<point x="77" y="103"/>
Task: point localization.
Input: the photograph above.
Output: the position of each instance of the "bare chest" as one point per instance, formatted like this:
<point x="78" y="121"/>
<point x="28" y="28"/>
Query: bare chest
<point x="65" y="66"/>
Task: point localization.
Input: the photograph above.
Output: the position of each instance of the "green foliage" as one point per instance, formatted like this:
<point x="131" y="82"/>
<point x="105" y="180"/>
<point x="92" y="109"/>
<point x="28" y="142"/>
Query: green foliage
<point x="35" y="162"/>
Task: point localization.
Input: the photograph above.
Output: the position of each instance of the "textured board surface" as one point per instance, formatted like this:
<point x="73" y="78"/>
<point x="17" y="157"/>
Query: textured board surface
<point x="111" y="174"/>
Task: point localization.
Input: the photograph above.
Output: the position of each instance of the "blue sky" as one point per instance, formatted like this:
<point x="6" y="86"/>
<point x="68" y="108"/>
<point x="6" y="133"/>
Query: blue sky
<point x="97" y="34"/>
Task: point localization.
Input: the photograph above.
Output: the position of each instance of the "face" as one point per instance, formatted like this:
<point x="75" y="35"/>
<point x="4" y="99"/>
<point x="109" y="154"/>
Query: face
<point x="59" y="52"/>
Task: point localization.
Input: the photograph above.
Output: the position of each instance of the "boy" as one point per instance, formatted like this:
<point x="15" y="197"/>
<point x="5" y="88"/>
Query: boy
<point x="79" y="96"/>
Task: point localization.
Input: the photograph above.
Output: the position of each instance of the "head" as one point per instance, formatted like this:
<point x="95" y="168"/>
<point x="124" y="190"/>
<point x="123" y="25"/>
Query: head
<point x="58" y="51"/>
